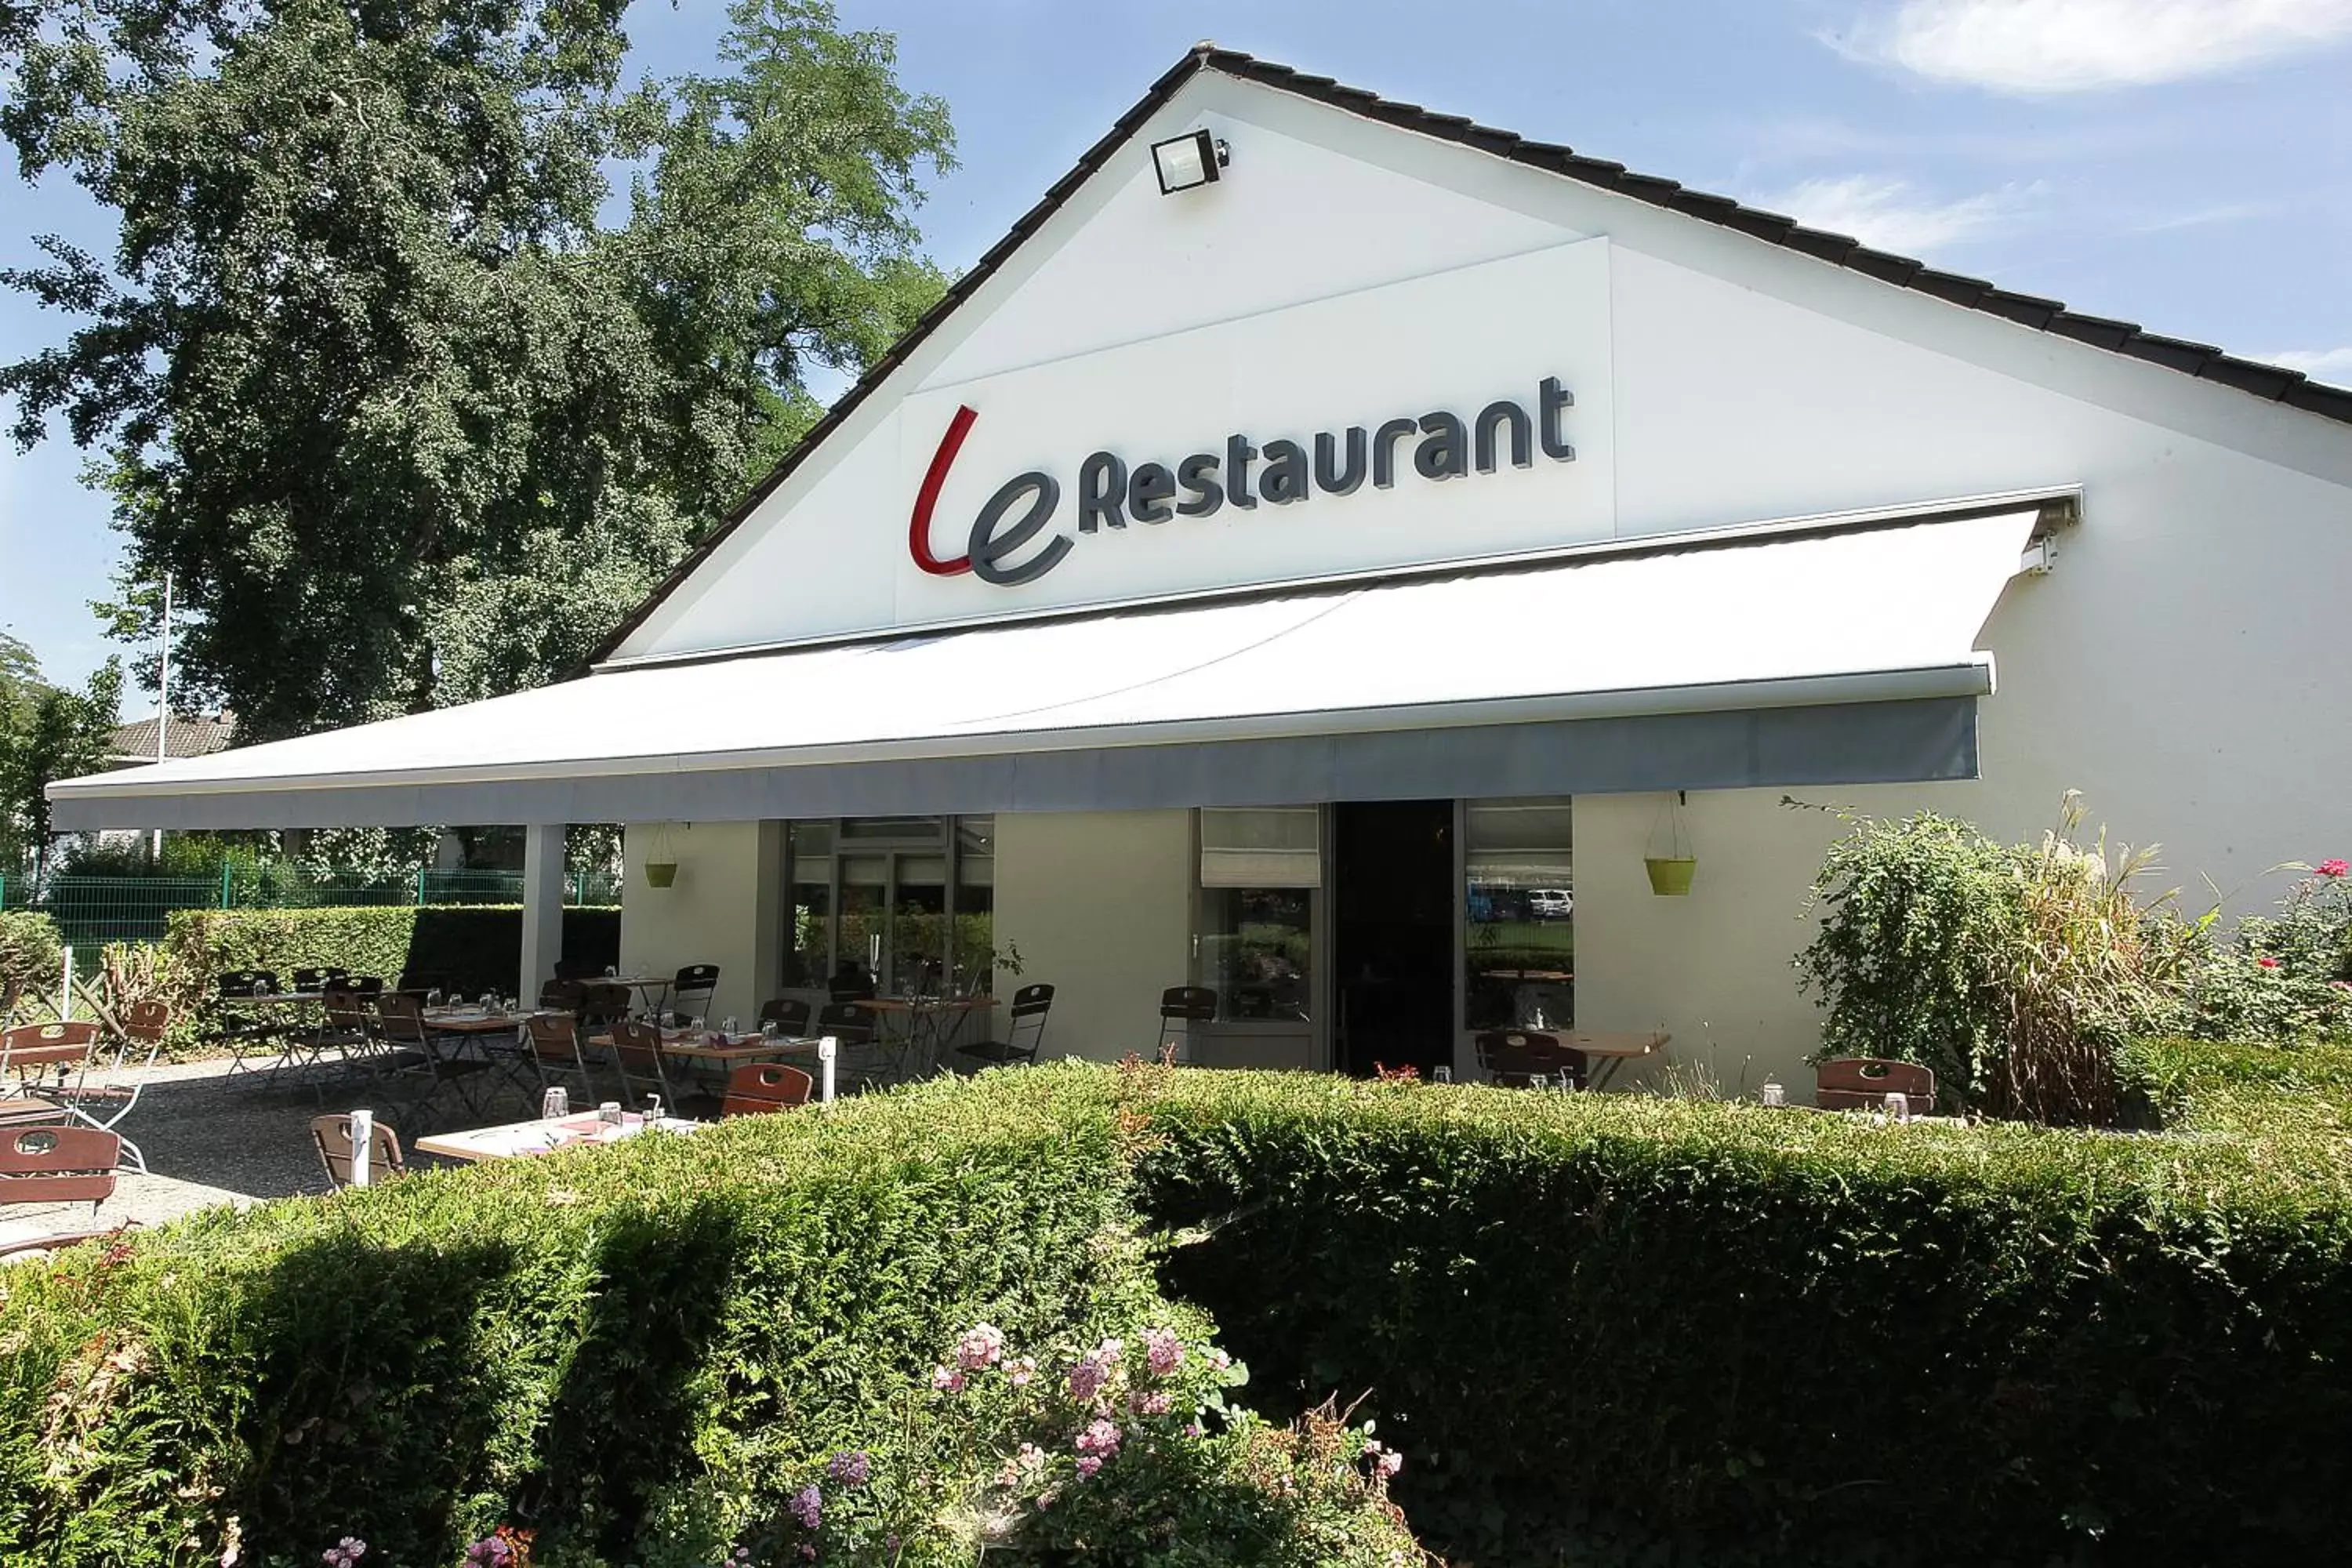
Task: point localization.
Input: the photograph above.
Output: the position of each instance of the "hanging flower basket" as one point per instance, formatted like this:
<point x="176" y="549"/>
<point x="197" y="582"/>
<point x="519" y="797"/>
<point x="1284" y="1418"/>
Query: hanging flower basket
<point x="1670" y="877"/>
<point x="660" y="873"/>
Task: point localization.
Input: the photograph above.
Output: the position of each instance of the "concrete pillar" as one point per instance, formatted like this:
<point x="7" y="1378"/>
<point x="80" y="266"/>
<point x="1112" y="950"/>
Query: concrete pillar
<point x="542" y="906"/>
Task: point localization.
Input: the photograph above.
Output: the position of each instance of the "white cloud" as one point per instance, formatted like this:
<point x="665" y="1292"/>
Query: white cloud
<point x="1893" y="215"/>
<point x="2072" y="46"/>
<point x="2202" y="217"/>
<point x="2331" y="365"/>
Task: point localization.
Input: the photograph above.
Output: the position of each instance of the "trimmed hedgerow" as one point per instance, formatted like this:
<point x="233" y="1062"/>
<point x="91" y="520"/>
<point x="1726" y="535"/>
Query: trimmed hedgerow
<point x="462" y="947"/>
<point x="645" y="1354"/>
<point x="1793" y="1336"/>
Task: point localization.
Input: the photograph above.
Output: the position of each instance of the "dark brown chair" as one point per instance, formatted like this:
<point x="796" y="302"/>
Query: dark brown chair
<point x="113" y="1075"/>
<point x="417" y="1059"/>
<point x="560" y="1051"/>
<point x="318" y="978"/>
<point x="790" y="1014"/>
<point x="562" y="993"/>
<point x="58" y="1166"/>
<point x="332" y="1137"/>
<point x="603" y="1003"/>
<point x="1517" y="1058"/>
<point x="757" y="1088"/>
<point x="1024" y="1029"/>
<point x="1187" y="1005"/>
<point x="638" y="1056"/>
<point x="1863" y="1083"/>
<point x="36" y="1051"/>
<point x="247" y="1031"/>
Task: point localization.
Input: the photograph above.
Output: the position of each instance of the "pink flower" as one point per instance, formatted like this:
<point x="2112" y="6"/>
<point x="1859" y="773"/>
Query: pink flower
<point x="808" y="1506"/>
<point x="982" y="1345"/>
<point x="1045" y="1499"/>
<point x="1157" y="1404"/>
<point x="852" y="1466"/>
<point x="1162" y="1350"/>
<point x="1101" y="1437"/>
<point x="1195" y="1430"/>
<point x="1021" y="1372"/>
<point x="948" y="1379"/>
<point x="2268" y="962"/>
<point x="1220" y="1360"/>
<point x="1086" y="1469"/>
<point x="808" y="1553"/>
<point x="2334" y="868"/>
<point x="1386" y="1462"/>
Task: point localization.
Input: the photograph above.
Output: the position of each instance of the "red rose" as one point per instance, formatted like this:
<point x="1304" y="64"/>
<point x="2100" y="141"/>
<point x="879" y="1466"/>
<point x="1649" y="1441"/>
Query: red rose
<point x="2267" y="962"/>
<point x="2334" y="868"/>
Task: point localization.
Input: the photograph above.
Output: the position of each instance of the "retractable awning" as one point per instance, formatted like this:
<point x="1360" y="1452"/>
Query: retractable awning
<point x="1835" y="655"/>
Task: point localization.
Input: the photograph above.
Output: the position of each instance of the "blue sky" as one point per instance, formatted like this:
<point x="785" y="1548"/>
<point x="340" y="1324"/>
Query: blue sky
<point x="2183" y="163"/>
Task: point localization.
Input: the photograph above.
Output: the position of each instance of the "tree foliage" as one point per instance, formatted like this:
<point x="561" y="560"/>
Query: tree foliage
<point x="46" y="734"/>
<point x="409" y="402"/>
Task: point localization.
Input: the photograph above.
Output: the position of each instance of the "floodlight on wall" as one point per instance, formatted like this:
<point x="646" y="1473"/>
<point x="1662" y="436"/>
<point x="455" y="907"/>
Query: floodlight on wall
<point x="1184" y="162"/>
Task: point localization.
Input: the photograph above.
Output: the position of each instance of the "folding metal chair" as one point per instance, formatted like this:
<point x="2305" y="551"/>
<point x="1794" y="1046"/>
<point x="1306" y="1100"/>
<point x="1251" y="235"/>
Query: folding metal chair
<point x="691" y="992"/>
<point x="1187" y="1005"/>
<point x="1025" y="1030"/>
<point x="637" y="1057"/>
<point x="58" y="1166"/>
<point x="240" y="1028"/>
<point x="758" y="1087"/>
<point x="560" y="1051"/>
<point x="46" y="1057"/>
<point x="790" y="1014"/>
<point x="863" y="1060"/>
<point x="331" y="1135"/>
<point x="121" y="1068"/>
<point x="420" y="1059"/>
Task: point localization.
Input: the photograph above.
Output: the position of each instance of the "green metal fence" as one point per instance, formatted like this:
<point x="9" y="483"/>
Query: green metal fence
<point x="90" y="909"/>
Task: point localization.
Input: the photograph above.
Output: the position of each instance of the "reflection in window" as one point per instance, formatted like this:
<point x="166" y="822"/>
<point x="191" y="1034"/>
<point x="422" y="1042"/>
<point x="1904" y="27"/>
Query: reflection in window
<point x="975" y="903"/>
<point x="1255" y="947"/>
<point x="1520" y="930"/>
<point x="871" y="904"/>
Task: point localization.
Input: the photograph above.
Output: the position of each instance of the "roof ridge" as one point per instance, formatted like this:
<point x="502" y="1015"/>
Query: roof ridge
<point x="2271" y="383"/>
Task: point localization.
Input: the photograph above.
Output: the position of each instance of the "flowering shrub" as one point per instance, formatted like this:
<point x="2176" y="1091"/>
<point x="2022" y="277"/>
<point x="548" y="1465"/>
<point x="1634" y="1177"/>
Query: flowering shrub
<point x="1130" y="1448"/>
<point x="2287" y="976"/>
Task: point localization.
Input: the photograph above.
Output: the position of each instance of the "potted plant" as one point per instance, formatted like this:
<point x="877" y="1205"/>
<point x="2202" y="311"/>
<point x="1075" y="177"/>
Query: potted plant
<point x="1670" y="862"/>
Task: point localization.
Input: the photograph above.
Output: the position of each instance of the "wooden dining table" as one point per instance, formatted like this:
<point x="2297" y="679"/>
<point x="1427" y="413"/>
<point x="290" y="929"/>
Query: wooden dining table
<point x="1609" y="1052"/>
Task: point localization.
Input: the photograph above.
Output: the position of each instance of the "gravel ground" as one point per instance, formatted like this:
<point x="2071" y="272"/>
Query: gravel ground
<point x="213" y="1138"/>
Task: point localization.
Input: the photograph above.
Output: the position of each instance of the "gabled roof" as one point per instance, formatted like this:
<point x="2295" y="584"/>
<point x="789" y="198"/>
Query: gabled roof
<point x="188" y="735"/>
<point x="2272" y="383"/>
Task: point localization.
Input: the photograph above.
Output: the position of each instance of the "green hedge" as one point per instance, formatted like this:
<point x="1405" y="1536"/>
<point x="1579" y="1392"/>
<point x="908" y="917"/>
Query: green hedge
<point x="466" y="948"/>
<point x="640" y="1353"/>
<point x="1602" y="1329"/>
<point x="1779" y="1336"/>
<point x="30" y="955"/>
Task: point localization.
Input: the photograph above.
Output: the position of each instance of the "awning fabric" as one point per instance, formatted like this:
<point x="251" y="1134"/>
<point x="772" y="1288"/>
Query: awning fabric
<point x="1827" y="657"/>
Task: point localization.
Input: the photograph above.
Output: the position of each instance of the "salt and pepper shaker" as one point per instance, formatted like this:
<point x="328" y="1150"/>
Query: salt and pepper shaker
<point x="1773" y="1094"/>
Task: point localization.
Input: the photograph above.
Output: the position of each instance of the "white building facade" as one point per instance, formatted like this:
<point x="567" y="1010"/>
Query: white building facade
<point x="1334" y="583"/>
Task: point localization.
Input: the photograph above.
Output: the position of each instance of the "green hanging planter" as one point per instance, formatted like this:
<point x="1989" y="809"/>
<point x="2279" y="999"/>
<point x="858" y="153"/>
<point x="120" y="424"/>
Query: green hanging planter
<point x="660" y="873"/>
<point x="1670" y="877"/>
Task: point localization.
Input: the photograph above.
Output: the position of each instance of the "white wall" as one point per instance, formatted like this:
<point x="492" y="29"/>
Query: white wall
<point x="1100" y="904"/>
<point x="725" y="908"/>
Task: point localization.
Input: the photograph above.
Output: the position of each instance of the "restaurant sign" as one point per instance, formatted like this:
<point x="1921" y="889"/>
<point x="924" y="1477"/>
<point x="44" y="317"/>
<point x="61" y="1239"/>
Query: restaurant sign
<point x="1003" y="544"/>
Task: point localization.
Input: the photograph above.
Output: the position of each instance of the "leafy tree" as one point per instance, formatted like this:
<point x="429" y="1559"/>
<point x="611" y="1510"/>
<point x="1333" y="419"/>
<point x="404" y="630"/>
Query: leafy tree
<point x="20" y="673"/>
<point x="407" y="420"/>
<point x="54" y="735"/>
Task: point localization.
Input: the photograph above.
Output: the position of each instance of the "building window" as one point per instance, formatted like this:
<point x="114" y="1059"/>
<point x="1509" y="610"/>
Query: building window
<point x="1260" y="873"/>
<point x="1519" y="969"/>
<point x="889" y="905"/>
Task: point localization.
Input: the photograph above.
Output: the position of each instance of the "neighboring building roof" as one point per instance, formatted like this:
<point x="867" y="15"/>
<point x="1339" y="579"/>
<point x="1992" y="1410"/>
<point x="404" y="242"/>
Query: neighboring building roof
<point x="2272" y="383"/>
<point x="189" y="735"/>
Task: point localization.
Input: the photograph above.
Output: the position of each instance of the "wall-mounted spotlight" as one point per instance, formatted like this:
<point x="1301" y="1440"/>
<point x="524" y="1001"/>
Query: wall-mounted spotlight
<point x="1184" y="162"/>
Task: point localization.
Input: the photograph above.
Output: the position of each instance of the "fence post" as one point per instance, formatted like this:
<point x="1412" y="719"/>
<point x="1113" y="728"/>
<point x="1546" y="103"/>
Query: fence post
<point x="65" y="987"/>
<point x="420" y="887"/>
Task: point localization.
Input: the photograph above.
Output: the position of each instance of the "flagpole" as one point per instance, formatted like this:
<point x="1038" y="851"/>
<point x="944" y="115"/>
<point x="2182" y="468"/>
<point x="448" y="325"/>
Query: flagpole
<point x="163" y="697"/>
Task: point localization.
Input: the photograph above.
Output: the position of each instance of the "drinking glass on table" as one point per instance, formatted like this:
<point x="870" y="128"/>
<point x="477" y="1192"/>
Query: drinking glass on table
<point x="434" y="998"/>
<point x="727" y="1025"/>
<point x="555" y="1104"/>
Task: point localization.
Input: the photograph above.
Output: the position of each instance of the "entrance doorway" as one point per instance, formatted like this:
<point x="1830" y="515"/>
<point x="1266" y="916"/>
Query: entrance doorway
<point x="1393" y="935"/>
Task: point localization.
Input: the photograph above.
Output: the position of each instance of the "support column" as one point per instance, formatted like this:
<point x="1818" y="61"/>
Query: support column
<point x="542" y="906"/>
